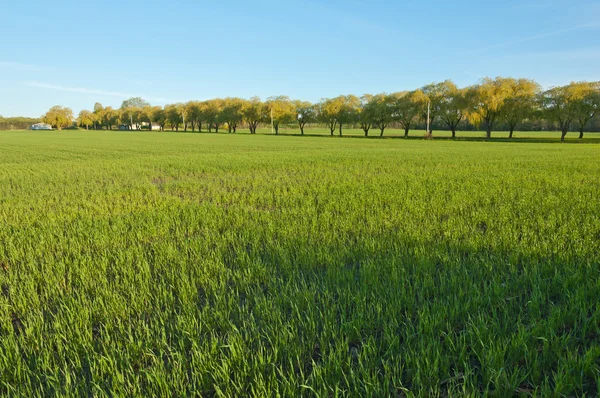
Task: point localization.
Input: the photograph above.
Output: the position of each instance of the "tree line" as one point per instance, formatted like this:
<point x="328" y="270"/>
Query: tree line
<point x="17" y="123"/>
<point x="506" y="102"/>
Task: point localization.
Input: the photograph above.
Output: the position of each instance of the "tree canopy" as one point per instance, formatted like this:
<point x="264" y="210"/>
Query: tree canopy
<point x="59" y="117"/>
<point x="134" y="102"/>
<point x="282" y="110"/>
<point x="86" y="118"/>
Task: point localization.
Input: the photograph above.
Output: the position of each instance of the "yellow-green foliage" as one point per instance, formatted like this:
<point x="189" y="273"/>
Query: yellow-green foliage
<point x="58" y="117"/>
<point x="156" y="264"/>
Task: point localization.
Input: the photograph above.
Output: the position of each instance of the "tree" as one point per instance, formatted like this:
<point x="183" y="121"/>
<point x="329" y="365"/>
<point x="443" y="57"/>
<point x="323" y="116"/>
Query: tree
<point x="134" y="102"/>
<point x="99" y="113"/>
<point x="132" y="106"/>
<point x="173" y="116"/>
<point x="182" y="109"/>
<point x="86" y="118"/>
<point x="382" y="109"/>
<point x="193" y="113"/>
<point x="486" y="101"/>
<point x="406" y="106"/>
<point x="126" y="117"/>
<point x="453" y="107"/>
<point x="200" y="114"/>
<point x="305" y="113"/>
<point x="328" y="110"/>
<point x="347" y="110"/>
<point x="254" y="113"/>
<point x="159" y="116"/>
<point x="59" y="117"/>
<point x="130" y="117"/>
<point x="563" y="105"/>
<point x="212" y="113"/>
<point x="587" y="103"/>
<point x="365" y="113"/>
<point x="110" y="117"/>
<point x="232" y="113"/>
<point x="282" y="111"/>
<point x="435" y="94"/>
<point x="520" y="101"/>
<point x="147" y="115"/>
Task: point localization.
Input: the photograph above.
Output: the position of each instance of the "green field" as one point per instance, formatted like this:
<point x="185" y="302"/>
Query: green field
<point x="163" y="264"/>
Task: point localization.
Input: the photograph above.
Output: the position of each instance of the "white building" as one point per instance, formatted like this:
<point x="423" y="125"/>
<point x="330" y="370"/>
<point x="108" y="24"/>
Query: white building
<point x="140" y="126"/>
<point x="41" y="126"/>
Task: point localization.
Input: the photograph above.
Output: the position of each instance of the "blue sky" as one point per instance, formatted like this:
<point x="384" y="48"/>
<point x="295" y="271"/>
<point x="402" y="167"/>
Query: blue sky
<point x="74" y="53"/>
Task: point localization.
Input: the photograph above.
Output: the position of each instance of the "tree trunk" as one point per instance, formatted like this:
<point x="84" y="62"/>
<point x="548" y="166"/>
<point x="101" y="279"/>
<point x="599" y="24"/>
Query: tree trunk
<point x="581" y="133"/>
<point x="301" y="129"/>
<point x="234" y="128"/>
<point x="185" y="126"/>
<point x="216" y="128"/>
<point x="510" y="133"/>
<point x="229" y="128"/>
<point x="405" y="132"/>
<point x="563" y="135"/>
<point x="340" y="129"/>
<point x="276" y="125"/>
<point x="488" y="133"/>
<point x="453" y="132"/>
<point x="177" y="127"/>
<point x="200" y="127"/>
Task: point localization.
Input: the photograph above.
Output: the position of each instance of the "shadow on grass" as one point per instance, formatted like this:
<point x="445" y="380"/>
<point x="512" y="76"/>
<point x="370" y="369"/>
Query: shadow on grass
<point x="523" y="140"/>
<point x="530" y="140"/>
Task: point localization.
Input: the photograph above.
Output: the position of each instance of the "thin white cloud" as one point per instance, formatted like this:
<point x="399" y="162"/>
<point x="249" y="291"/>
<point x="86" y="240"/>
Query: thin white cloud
<point x="362" y="24"/>
<point x="580" y="54"/>
<point x="83" y="90"/>
<point x="547" y="4"/>
<point x="534" y="4"/>
<point x="537" y="37"/>
<point x="76" y="89"/>
<point x="526" y="39"/>
<point x="141" y="82"/>
<point x="20" y="66"/>
<point x="473" y="74"/>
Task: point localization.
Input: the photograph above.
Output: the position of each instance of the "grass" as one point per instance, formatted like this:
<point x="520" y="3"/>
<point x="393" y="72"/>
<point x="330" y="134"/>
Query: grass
<point x="160" y="264"/>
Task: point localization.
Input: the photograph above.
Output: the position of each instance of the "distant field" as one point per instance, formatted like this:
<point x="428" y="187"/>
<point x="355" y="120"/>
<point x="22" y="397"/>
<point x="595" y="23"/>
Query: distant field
<point x="161" y="264"/>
